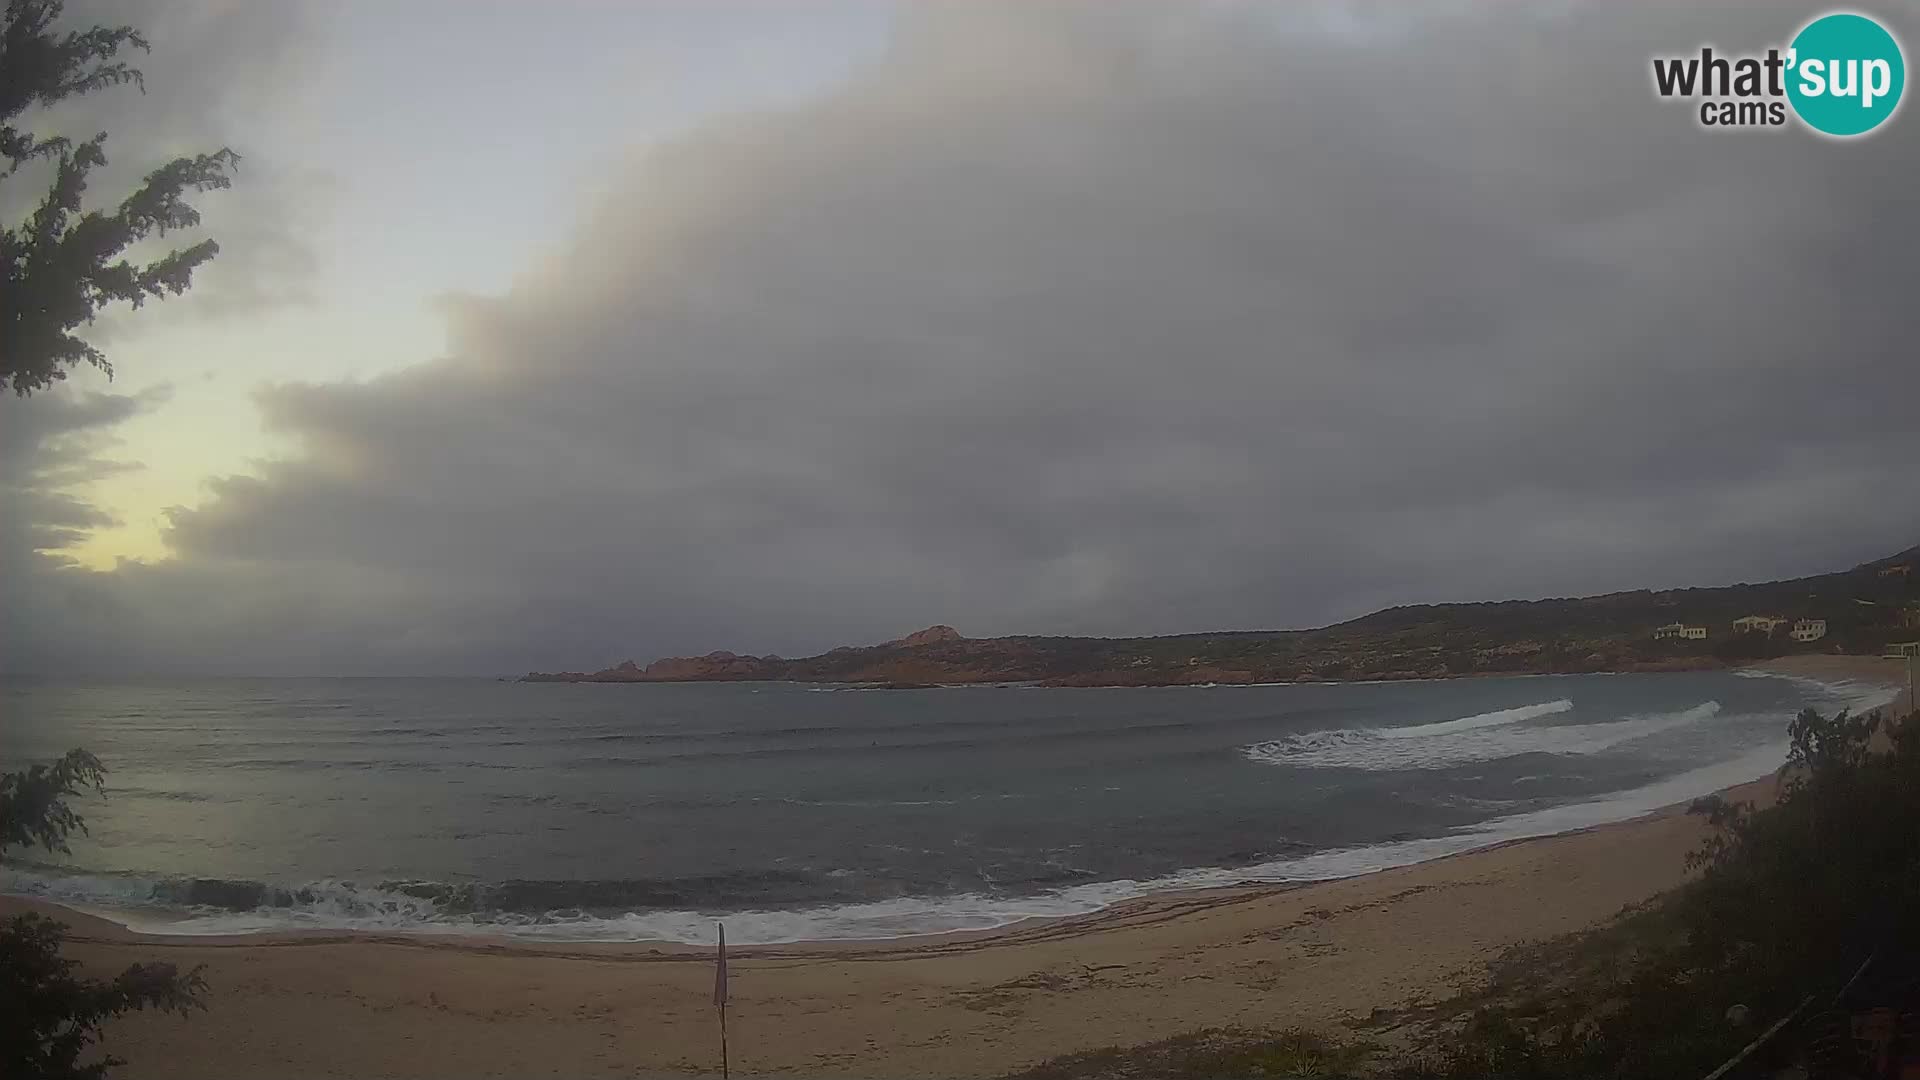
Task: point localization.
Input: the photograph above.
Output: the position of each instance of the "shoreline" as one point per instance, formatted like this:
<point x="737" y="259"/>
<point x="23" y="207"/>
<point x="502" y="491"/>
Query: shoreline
<point x="1322" y="955"/>
<point x="1211" y="677"/>
<point x="1098" y="681"/>
<point x="976" y="1003"/>
<point x="99" y="927"/>
<point x="137" y="922"/>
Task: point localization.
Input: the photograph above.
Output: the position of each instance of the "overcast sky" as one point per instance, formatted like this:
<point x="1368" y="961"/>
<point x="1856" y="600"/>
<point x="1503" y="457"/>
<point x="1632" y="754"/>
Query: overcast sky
<point x="551" y="336"/>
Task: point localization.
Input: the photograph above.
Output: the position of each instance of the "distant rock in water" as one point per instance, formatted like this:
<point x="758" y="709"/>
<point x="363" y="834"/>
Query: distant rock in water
<point x="937" y="634"/>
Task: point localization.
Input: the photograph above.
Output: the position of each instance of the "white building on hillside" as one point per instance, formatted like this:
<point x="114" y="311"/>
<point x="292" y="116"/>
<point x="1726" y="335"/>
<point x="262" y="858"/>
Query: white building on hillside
<point x="1809" y="629"/>
<point x="1758" y="624"/>
<point x="1680" y="631"/>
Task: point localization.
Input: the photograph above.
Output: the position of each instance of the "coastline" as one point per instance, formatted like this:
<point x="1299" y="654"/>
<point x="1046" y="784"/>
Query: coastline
<point x="1832" y="664"/>
<point x="1318" y="955"/>
<point x="972" y="1003"/>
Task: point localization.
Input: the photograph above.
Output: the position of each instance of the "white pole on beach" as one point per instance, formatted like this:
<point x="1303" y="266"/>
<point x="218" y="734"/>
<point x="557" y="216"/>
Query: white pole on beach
<point x="720" y="998"/>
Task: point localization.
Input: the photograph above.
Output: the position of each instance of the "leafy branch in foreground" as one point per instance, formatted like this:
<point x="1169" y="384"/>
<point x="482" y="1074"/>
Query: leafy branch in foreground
<point x="33" y="804"/>
<point x="63" y="263"/>
<point x="52" y="1016"/>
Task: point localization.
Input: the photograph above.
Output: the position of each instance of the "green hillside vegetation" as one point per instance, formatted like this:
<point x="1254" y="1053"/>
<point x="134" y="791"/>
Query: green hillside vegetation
<point x="1864" y="610"/>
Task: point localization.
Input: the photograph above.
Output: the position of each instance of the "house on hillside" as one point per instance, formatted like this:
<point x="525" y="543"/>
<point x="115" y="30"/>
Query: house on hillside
<point x="1758" y="624"/>
<point x="1907" y="649"/>
<point x="1809" y="629"/>
<point x="1903" y="570"/>
<point x="1680" y="632"/>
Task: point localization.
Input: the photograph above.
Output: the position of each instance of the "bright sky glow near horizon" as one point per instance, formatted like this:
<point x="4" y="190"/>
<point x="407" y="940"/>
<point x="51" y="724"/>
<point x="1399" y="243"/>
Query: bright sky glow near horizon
<point x="399" y="107"/>
<point x="553" y="335"/>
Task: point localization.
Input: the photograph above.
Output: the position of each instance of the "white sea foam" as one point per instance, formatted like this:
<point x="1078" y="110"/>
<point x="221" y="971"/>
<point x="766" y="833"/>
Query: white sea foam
<point x="1854" y="694"/>
<point x="315" y="904"/>
<point x="1484" y="737"/>
<point x="1860" y="696"/>
<point x="341" y="906"/>
<point x="1497" y="718"/>
<point x="909" y="916"/>
<point x="78" y="889"/>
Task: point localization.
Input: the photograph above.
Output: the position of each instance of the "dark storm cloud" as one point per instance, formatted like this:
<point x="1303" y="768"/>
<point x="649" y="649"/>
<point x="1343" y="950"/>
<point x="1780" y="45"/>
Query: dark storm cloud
<point x="45" y="451"/>
<point x="1100" y="321"/>
<point x="49" y="444"/>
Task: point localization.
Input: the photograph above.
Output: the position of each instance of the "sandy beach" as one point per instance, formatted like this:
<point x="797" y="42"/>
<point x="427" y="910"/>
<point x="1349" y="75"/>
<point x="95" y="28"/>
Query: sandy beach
<point x="1318" y="955"/>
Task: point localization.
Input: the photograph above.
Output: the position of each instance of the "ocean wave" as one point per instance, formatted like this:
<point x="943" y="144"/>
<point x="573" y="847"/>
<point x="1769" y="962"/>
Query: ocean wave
<point x="402" y="907"/>
<point x="1855" y="694"/>
<point x="404" y="902"/>
<point x="841" y="905"/>
<point x="168" y="795"/>
<point x="1484" y="737"/>
<point x="1497" y="718"/>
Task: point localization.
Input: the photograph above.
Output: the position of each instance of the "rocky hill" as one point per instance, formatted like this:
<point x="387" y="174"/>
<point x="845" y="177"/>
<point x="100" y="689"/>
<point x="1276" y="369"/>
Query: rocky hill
<point x="1864" y="608"/>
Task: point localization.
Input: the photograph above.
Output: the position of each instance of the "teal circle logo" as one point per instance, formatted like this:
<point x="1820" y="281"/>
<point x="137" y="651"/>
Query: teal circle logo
<point x="1846" y="74"/>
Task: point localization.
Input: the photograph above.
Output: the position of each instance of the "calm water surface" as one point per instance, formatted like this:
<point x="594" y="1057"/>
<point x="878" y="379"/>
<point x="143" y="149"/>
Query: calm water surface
<point x="641" y="811"/>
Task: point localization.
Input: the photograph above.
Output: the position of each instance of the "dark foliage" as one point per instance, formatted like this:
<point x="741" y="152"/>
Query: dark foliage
<point x="52" y="1017"/>
<point x="63" y="263"/>
<point x="1790" y="899"/>
<point x="1795" y="896"/>
<point x="48" y="1016"/>
<point x="33" y="804"/>
<point x="1204" y="1055"/>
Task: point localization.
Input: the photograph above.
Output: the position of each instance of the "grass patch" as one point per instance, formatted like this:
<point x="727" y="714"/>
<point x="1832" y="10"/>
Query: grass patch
<point x="1212" y="1053"/>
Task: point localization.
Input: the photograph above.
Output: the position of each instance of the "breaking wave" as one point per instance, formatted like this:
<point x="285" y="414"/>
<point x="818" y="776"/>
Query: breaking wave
<point x="1497" y="718"/>
<point x="421" y="907"/>
<point x="839" y="906"/>
<point x="1483" y="737"/>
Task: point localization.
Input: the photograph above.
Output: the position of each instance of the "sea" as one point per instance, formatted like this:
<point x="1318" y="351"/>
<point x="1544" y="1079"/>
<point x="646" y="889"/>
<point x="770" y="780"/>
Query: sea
<point x="647" y="812"/>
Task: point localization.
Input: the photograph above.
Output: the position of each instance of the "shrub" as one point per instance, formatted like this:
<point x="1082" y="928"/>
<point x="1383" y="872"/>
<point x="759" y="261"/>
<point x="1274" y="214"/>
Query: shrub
<point x="1790" y="899"/>
<point x="51" y="1017"/>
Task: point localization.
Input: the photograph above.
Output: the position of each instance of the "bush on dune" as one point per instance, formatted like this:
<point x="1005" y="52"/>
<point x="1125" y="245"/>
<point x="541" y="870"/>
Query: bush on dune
<point x="1797" y="895"/>
<point x="1789" y="901"/>
<point x="1203" y="1055"/>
